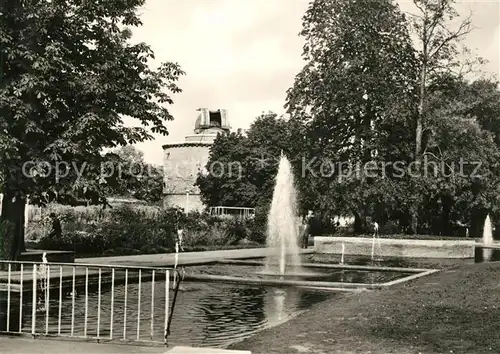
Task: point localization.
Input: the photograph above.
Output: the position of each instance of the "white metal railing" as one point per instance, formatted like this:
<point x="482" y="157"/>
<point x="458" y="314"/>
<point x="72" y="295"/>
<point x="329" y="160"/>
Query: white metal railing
<point x="224" y="211"/>
<point x="44" y="299"/>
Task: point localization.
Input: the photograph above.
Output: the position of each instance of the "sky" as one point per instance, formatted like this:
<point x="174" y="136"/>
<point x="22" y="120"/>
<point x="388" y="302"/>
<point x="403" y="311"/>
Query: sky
<point x="242" y="55"/>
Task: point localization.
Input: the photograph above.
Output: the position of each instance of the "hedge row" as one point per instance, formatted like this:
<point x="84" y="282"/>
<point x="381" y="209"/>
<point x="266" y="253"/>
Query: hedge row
<point x="126" y="230"/>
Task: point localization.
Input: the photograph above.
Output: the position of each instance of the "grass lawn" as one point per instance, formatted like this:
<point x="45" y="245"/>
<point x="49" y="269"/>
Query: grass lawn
<point x="454" y="311"/>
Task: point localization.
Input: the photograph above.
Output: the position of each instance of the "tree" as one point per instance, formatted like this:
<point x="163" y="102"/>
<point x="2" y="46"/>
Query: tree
<point x="130" y="154"/>
<point x="69" y="75"/>
<point x="134" y="177"/>
<point x="241" y="169"/>
<point x="438" y="52"/>
<point x="360" y="70"/>
<point x="223" y="181"/>
<point x="448" y="189"/>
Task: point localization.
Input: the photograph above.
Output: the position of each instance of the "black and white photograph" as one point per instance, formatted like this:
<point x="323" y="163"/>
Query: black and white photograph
<point x="250" y="176"/>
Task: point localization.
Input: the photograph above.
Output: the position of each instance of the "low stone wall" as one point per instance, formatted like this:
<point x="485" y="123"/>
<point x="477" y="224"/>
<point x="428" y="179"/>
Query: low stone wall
<point x="395" y="247"/>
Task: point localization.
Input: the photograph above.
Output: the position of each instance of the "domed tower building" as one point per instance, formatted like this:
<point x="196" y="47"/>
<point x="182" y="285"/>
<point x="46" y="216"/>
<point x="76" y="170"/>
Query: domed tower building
<point x="184" y="160"/>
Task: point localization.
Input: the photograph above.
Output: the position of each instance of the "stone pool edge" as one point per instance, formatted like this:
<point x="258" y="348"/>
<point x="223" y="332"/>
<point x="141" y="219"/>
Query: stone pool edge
<point x="400" y="248"/>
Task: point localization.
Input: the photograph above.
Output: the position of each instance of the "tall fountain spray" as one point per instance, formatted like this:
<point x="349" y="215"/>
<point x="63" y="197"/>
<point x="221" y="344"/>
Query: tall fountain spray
<point x="282" y="233"/>
<point x="487" y="239"/>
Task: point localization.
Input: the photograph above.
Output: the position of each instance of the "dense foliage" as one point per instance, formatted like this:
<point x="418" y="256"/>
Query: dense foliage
<point x="382" y="127"/>
<point x="241" y="168"/>
<point x="134" y="177"/>
<point x="68" y="77"/>
<point x="126" y="230"/>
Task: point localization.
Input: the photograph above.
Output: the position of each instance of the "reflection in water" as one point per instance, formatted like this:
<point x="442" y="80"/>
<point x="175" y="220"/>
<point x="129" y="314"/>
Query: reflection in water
<point x="279" y="306"/>
<point x="206" y="315"/>
<point x="483" y="255"/>
<point x="219" y="314"/>
<point x="274" y="304"/>
<point x="226" y="310"/>
<point x="487" y="254"/>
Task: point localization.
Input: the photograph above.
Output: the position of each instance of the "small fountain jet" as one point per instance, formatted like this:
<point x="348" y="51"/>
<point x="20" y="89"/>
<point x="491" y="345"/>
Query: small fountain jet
<point x="342" y="255"/>
<point x="487" y="239"/>
<point x="375" y="236"/>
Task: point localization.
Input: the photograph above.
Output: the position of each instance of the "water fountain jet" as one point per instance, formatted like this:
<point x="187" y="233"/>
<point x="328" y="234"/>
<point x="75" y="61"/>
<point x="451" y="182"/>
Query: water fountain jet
<point x="487" y="239"/>
<point x="377" y="237"/>
<point x="282" y="235"/>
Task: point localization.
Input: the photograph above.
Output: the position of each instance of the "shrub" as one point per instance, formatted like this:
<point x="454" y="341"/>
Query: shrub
<point x="391" y="227"/>
<point x="258" y="226"/>
<point x="344" y="231"/>
<point x="132" y="230"/>
<point x="215" y="235"/>
<point x="125" y="231"/>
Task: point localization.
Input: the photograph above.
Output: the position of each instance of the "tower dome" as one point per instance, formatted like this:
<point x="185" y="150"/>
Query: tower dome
<point x="208" y="120"/>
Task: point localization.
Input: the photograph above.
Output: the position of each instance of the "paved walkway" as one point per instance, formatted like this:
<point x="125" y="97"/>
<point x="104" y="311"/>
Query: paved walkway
<point x="143" y="260"/>
<point x="185" y="258"/>
<point x="22" y="345"/>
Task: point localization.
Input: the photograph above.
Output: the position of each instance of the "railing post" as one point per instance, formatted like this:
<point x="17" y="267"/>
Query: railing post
<point x="47" y="297"/>
<point x="112" y="302"/>
<point x="21" y="281"/>
<point x="125" y="306"/>
<point x="60" y="301"/>
<point x="86" y="301"/>
<point x="167" y="301"/>
<point x="176" y="291"/>
<point x="34" y="302"/>
<point x="152" y="303"/>
<point x="73" y="295"/>
<point x="9" y="274"/>
<point x="99" y="305"/>
<point x="139" y="307"/>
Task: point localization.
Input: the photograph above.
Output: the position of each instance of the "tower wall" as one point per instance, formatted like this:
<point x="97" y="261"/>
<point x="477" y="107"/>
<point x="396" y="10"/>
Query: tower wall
<point x="182" y="163"/>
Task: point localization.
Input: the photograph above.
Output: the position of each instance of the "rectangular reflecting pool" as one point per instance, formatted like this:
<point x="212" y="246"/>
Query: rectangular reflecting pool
<point x="207" y="314"/>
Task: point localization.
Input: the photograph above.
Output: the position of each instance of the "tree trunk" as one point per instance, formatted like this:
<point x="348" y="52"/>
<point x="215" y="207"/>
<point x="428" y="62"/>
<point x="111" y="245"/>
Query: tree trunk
<point x="414" y="219"/>
<point x="418" y="142"/>
<point x="422" y="91"/>
<point x="359" y="222"/>
<point x="496" y="232"/>
<point x="413" y="209"/>
<point x="420" y="117"/>
<point x="477" y="223"/>
<point x="446" y="226"/>
<point x="381" y="215"/>
<point x="12" y="225"/>
<point x="420" y="113"/>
